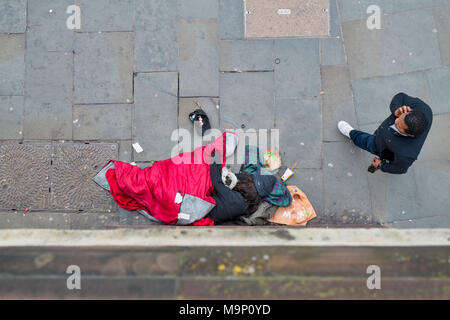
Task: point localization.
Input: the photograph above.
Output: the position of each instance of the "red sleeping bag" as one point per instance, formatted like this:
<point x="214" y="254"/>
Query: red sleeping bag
<point x="154" y="188"/>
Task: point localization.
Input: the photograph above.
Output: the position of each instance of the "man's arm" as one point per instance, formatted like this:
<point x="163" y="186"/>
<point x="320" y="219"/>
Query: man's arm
<point x="401" y="99"/>
<point x="397" y="102"/>
<point x="399" y="166"/>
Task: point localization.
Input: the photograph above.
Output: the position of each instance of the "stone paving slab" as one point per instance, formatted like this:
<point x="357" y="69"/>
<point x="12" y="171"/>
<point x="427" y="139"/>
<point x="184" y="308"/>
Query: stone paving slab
<point x="246" y="55"/>
<point x="49" y="14"/>
<point x="156" y="114"/>
<point x="12" y="64"/>
<point x="403" y="197"/>
<point x="432" y="189"/>
<point x="434" y="153"/>
<point x="439" y="84"/>
<point x="103" y="122"/>
<point x="103" y="66"/>
<point x="405" y="43"/>
<point x="198" y="8"/>
<point x="106" y="15"/>
<point x="41" y="39"/>
<point x="125" y="151"/>
<point x="13" y="16"/>
<point x="373" y="96"/>
<point x="429" y="222"/>
<point x="299" y="122"/>
<point x="35" y="219"/>
<point x="442" y="21"/>
<point x="402" y="201"/>
<point x="357" y="9"/>
<point x="156" y="47"/>
<point x="37" y="123"/>
<point x="346" y="191"/>
<point x="198" y="57"/>
<point x="231" y="19"/>
<point x="297" y="67"/>
<point x="332" y="52"/>
<point x="247" y="100"/>
<point x="337" y="103"/>
<point x="335" y="26"/>
<point x="49" y="91"/>
<point x="11" y="120"/>
<point x="49" y="76"/>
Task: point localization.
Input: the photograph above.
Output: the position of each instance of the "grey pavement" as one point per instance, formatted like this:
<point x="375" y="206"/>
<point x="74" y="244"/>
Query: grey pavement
<point x="135" y="69"/>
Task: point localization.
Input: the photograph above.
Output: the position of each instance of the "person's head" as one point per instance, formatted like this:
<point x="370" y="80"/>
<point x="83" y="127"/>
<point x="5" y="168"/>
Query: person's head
<point x="412" y="123"/>
<point x="246" y="187"/>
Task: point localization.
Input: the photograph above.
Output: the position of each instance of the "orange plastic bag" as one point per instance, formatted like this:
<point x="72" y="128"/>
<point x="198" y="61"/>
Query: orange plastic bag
<point x="298" y="213"/>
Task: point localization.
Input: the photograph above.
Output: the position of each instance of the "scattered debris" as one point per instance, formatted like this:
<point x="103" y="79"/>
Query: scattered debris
<point x="288" y="173"/>
<point x="137" y="147"/>
<point x="198" y="105"/>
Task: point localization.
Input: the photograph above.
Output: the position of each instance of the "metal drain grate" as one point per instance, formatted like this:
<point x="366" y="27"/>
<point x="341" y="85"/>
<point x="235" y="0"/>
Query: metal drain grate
<point x="73" y="167"/>
<point x="55" y="177"/>
<point x="24" y="175"/>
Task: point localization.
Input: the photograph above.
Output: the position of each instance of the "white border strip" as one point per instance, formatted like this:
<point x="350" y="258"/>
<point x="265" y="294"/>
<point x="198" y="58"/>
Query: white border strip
<point x="223" y="236"/>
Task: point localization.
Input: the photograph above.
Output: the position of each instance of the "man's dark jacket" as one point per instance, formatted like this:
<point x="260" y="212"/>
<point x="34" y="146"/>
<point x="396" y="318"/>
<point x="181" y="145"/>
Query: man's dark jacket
<point x="398" y="152"/>
<point x="229" y="204"/>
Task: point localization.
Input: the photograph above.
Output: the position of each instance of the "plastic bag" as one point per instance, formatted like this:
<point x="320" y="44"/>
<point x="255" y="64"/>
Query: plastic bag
<point x="298" y="213"/>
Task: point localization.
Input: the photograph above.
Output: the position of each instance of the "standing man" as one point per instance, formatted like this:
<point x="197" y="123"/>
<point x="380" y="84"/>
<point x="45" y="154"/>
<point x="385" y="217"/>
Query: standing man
<point x="398" y="140"/>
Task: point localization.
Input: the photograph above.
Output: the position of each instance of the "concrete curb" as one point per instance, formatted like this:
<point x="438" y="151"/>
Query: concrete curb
<point x="224" y="237"/>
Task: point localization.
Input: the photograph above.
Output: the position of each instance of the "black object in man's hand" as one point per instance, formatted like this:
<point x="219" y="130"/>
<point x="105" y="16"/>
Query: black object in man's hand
<point x="376" y="163"/>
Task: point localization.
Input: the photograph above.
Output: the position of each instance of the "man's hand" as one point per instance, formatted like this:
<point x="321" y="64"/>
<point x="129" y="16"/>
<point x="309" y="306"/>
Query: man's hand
<point x="401" y="110"/>
<point x="376" y="162"/>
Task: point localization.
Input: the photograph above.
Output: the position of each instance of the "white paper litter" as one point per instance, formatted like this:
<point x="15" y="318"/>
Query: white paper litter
<point x="137" y="147"/>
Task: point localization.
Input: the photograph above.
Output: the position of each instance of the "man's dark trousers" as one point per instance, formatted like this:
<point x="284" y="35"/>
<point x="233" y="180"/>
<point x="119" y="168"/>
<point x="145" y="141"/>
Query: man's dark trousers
<point x="365" y="141"/>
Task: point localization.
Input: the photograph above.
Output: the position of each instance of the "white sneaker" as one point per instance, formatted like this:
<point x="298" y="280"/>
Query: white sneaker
<point x="345" y="128"/>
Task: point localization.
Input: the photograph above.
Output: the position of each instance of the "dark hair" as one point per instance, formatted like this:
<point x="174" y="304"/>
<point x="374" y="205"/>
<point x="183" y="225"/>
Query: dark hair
<point x="246" y="187"/>
<point x="416" y="122"/>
